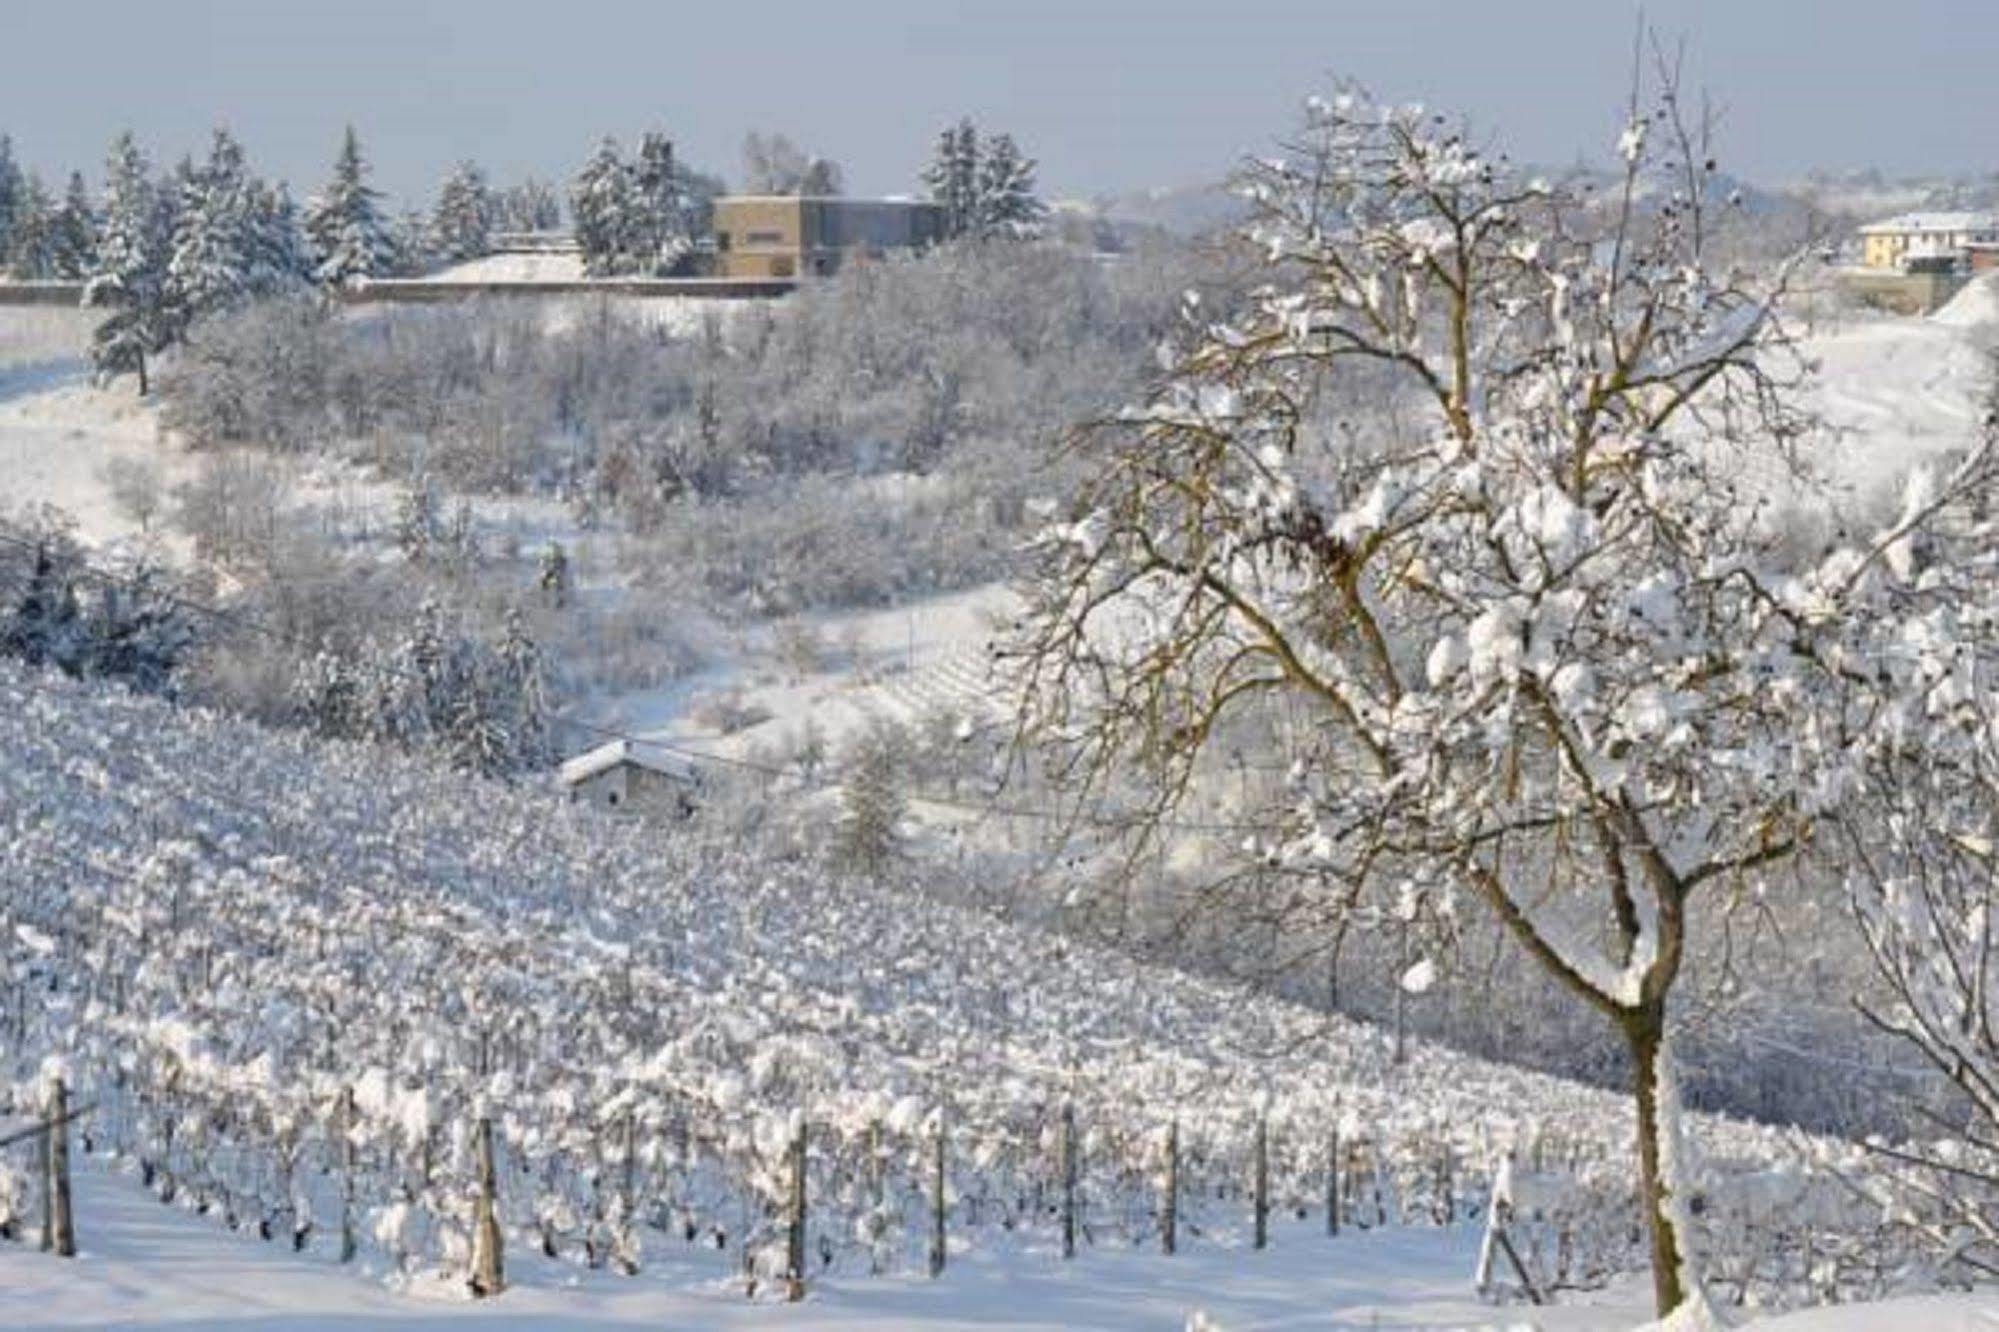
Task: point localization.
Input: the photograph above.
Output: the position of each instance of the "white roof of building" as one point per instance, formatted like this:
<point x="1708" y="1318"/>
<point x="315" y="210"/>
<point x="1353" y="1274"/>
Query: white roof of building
<point x="1931" y="222"/>
<point x="618" y="752"/>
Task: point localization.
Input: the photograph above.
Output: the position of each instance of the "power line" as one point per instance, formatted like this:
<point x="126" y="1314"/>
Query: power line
<point x="239" y="620"/>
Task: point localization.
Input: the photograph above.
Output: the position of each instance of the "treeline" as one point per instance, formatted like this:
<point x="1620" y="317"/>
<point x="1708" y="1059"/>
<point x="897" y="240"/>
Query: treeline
<point x="934" y="381"/>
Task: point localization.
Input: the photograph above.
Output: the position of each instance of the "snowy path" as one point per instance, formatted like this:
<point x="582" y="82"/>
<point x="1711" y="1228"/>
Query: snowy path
<point x="145" y="1265"/>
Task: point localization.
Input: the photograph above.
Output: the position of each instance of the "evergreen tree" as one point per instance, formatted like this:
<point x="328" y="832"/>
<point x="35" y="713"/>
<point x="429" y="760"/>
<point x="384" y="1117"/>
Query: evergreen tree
<point x="524" y="678"/>
<point x="1007" y="206"/>
<point x="461" y="225"/>
<point x="986" y="189"/>
<point x="11" y="186"/>
<point x="75" y="231"/>
<point x="344" y="223"/>
<point x="952" y="177"/>
<point x="868" y="836"/>
<point x="411" y="253"/>
<point x="602" y="203"/>
<point x="128" y="276"/>
<point x="31" y="254"/>
<point x="278" y="256"/>
<point x="662" y="203"/>
<point x="210" y="267"/>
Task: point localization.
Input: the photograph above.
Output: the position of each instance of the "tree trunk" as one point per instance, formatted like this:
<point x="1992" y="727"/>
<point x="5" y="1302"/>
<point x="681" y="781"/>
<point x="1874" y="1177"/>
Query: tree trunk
<point x="1169" y="1193"/>
<point x="1660" y="1153"/>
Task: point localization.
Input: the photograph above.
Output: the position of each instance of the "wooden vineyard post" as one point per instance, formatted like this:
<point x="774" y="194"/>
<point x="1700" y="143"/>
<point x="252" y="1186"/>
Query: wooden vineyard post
<point x="794" y="1248"/>
<point x="1169" y="1201"/>
<point x="488" y="1258"/>
<point x="1068" y="1168"/>
<point x="1261" y="1179"/>
<point x="1333" y="1181"/>
<point x="937" y="1247"/>
<point x="58" y="1222"/>
<point x="344" y="1126"/>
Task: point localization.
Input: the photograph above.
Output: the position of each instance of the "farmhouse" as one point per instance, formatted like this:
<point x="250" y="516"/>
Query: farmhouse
<point x="631" y="777"/>
<point x="1933" y="241"/>
<point x="788" y="236"/>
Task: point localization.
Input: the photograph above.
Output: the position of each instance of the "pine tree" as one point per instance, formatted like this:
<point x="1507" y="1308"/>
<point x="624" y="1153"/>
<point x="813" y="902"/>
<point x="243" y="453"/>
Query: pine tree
<point x="11" y="186"/>
<point x="209" y="268"/>
<point x="524" y="675"/>
<point x="75" y="231"/>
<point x="344" y="223"/>
<point x="601" y="201"/>
<point x="278" y="257"/>
<point x="128" y="276"/>
<point x="953" y="177"/>
<point x="986" y="189"/>
<point x="31" y="254"/>
<point x="1007" y="206"/>
<point x="462" y="223"/>
<point x="663" y="204"/>
<point x="868" y="837"/>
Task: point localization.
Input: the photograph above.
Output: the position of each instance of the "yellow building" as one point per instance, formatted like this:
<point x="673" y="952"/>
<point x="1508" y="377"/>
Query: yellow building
<point x="788" y="236"/>
<point x="1935" y="238"/>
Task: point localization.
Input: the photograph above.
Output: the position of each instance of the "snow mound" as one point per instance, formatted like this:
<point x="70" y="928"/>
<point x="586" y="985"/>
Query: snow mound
<point x="1974" y="307"/>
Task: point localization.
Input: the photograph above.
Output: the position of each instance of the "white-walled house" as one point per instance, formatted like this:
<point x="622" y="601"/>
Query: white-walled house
<point x="632" y="777"/>
<point x="1898" y="242"/>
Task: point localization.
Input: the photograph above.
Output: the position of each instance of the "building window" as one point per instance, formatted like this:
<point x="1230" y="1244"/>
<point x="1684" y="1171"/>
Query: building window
<point x="764" y="238"/>
<point x="722" y="240"/>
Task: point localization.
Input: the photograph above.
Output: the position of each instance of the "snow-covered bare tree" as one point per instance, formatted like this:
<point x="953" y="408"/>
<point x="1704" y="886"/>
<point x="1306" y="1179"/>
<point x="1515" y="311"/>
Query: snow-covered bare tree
<point x="1543" y="633"/>
<point x="344" y="222"/>
<point x="773" y="164"/>
<point x="1920" y="858"/>
<point x="462" y="222"/>
<point x="532" y="205"/>
<point x="129" y="274"/>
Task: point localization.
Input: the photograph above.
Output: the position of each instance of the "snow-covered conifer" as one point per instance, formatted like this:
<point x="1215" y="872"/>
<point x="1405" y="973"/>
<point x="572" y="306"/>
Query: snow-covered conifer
<point x="11" y="185"/>
<point x="1007" y="206"/>
<point x="344" y="221"/>
<point x="75" y="228"/>
<point x="33" y="246"/>
<point x="128" y="277"/>
<point x="462" y="222"/>
<point x="604" y="209"/>
<point x="952" y="177"/>
<point x="213" y="257"/>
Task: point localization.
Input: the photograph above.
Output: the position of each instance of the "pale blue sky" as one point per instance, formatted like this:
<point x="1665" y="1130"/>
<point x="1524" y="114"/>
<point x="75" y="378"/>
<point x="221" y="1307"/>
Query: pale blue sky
<point x="1111" y="96"/>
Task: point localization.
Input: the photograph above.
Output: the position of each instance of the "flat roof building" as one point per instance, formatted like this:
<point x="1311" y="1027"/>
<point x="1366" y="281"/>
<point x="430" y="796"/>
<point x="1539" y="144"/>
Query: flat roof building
<point x="789" y="236"/>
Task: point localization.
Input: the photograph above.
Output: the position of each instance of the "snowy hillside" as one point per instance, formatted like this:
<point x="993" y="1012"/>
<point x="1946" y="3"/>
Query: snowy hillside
<point x="250" y="950"/>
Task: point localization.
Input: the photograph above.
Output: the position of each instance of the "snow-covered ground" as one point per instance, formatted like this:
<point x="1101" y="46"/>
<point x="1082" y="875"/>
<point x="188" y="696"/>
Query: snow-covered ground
<point x="144" y="1265"/>
<point x="147" y="1265"/>
<point x="58" y="434"/>
<point x="1897" y="390"/>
